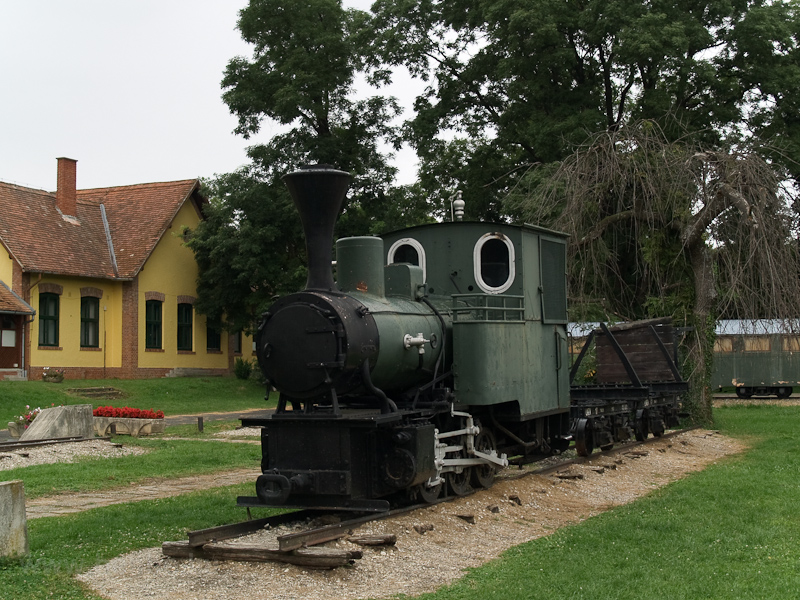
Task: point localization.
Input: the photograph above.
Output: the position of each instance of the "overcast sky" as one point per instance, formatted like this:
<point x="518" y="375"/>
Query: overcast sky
<point x="129" y="89"/>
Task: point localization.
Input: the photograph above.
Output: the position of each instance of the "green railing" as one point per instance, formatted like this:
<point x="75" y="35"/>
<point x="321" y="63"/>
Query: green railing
<point x="471" y="308"/>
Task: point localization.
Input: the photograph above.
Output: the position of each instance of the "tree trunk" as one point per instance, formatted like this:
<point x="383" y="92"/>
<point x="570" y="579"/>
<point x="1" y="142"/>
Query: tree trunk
<point x="700" y="342"/>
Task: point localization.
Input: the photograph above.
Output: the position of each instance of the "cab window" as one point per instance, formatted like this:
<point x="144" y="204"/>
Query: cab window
<point x="410" y="251"/>
<point x="494" y="263"/>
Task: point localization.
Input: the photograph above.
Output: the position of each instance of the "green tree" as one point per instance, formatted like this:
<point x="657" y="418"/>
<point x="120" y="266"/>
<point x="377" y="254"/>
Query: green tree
<point x="515" y="83"/>
<point x="306" y="57"/>
<point x="249" y="248"/>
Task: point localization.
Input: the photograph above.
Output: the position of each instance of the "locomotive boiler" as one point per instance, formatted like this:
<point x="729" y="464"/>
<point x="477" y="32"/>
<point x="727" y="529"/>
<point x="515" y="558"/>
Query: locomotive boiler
<point x="436" y="352"/>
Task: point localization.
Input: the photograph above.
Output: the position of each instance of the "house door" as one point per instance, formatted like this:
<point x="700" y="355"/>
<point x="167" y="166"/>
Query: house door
<point x="10" y="342"/>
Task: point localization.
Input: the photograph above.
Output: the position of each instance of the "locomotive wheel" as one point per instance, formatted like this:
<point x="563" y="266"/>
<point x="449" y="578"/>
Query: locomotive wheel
<point x="783" y="392"/>
<point x="607" y="447"/>
<point x="459" y="482"/>
<point x="744" y="392"/>
<point x="483" y="475"/>
<point x="584" y="437"/>
<point x="428" y="494"/>
<point x="658" y="427"/>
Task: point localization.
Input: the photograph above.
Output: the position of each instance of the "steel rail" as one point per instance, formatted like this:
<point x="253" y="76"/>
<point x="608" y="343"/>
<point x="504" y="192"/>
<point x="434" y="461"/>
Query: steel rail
<point x="6" y="446"/>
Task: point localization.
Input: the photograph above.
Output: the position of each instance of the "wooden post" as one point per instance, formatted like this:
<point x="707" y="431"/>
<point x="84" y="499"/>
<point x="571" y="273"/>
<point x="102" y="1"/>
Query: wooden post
<point x="200" y="424"/>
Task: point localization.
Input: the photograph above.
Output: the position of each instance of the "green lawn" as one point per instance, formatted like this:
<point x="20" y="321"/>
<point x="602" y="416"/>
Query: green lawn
<point x="731" y="531"/>
<point x="174" y="396"/>
<point x="166" y="458"/>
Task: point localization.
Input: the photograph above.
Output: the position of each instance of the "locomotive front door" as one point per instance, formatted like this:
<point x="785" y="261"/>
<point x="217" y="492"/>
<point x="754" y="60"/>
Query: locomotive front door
<point x="10" y="341"/>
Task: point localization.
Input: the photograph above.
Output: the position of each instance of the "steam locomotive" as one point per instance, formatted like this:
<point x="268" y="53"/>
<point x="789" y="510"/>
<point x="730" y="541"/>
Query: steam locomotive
<point x="437" y="353"/>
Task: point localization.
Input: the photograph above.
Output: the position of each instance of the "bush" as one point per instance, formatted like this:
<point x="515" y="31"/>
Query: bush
<point x="242" y="368"/>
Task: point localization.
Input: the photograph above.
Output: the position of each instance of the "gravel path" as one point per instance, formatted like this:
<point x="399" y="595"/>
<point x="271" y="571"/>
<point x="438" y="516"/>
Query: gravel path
<point x="61" y="504"/>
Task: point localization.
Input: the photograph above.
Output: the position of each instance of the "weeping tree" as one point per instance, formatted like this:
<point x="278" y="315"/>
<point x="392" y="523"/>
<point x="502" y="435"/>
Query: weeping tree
<point x="665" y="228"/>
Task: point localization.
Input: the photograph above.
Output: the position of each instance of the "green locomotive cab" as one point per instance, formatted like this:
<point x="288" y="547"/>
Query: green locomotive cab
<point x="503" y="290"/>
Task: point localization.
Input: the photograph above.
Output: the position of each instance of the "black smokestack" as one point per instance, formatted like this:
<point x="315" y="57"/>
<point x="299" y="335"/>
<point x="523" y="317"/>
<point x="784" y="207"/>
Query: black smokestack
<point x="318" y="192"/>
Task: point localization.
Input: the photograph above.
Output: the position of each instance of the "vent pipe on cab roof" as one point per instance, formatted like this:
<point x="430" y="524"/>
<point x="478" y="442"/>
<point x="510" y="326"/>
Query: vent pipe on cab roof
<point x="318" y="192"/>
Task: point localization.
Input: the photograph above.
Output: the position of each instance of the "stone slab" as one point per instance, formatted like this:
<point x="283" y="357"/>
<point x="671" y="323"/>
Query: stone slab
<point x="13" y="520"/>
<point x="61" y="421"/>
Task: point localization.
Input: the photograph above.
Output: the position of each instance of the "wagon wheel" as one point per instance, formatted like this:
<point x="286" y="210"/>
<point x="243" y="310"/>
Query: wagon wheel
<point x="483" y="475"/>
<point x="429" y="494"/>
<point x="584" y="438"/>
<point x="744" y="392"/>
<point x="640" y="428"/>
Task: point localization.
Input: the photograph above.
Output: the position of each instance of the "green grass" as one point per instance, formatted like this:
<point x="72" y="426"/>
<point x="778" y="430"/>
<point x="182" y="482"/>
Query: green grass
<point x="174" y="396"/>
<point x="731" y="531"/>
<point x="166" y="458"/>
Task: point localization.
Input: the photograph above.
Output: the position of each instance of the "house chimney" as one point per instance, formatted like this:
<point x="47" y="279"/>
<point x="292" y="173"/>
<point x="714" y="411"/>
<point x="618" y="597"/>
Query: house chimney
<point x="66" y="192"/>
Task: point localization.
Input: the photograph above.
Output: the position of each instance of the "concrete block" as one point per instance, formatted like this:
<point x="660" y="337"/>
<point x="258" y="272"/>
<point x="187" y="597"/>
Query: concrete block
<point x="61" y="421"/>
<point x="13" y="521"/>
<point x="124" y="425"/>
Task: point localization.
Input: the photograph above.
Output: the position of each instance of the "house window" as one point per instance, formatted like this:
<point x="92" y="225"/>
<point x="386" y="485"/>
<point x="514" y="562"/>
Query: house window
<point x="213" y="339"/>
<point x="90" y="322"/>
<point x="184" y="326"/>
<point x="237" y="342"/>
<point x="48" y="319"/>
<point x="153" y="324"/>
<point x="8" y="332"/>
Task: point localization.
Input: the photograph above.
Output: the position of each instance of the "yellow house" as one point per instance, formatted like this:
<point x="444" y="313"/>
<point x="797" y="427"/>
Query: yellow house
<point x="100" y="284"/>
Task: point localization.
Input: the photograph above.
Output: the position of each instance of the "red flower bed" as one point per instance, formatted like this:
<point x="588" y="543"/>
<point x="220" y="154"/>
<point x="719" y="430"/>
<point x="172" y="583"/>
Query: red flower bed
<point x="126" y="412"/>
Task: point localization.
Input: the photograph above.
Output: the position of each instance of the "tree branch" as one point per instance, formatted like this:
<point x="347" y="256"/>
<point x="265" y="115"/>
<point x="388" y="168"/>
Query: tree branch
<point x="596" y="231"/>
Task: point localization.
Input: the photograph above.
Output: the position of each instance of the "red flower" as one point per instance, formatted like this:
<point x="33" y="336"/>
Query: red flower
<point x="127" y="412"/>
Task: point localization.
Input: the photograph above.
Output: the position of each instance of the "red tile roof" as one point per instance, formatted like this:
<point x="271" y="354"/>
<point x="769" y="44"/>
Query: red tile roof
<point x="11" y="303"/>
<point x="43" y="241"/>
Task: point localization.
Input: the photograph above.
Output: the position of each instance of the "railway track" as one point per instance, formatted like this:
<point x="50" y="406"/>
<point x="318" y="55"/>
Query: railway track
<point x="16" y="445"/>
<point x="300" y="547"/>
